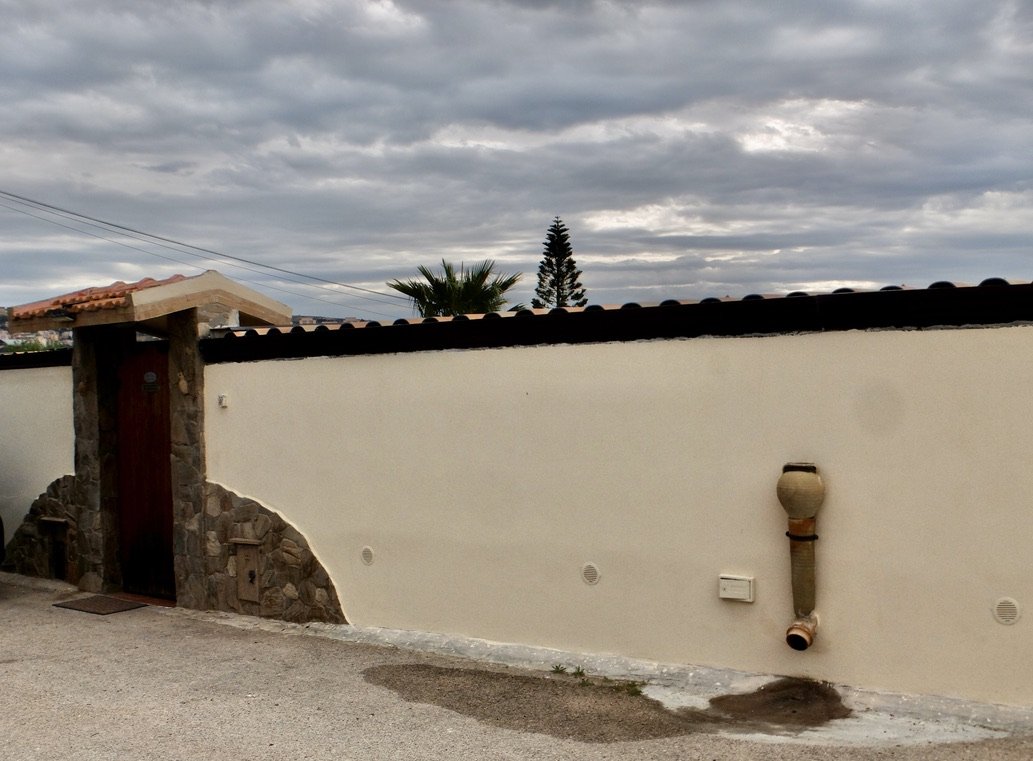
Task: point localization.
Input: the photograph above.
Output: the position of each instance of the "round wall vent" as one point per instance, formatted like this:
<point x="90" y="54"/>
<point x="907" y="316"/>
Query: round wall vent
<point x="367" y="555"/>
<point x="1006" y="611"/>
<point x="590" y="573"/>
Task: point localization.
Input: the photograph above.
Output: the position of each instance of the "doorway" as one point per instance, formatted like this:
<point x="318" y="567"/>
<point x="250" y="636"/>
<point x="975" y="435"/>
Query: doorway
<point x="145" y="471"/>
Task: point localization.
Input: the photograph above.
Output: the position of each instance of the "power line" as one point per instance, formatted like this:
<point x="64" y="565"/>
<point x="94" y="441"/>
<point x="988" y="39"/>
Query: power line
<point x="101" y="237"/>
<point x="143" y="239"/>
<point x="190" y="264"/>
<point x="50" y="208"/>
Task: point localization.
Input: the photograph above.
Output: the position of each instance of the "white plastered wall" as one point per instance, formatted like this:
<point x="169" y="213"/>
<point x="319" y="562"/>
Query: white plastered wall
<point x="36" y="437"/>
<point x="484" y="480"/>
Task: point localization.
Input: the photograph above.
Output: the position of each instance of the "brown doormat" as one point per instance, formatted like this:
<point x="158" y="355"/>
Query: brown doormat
<point x="102" y="605"/>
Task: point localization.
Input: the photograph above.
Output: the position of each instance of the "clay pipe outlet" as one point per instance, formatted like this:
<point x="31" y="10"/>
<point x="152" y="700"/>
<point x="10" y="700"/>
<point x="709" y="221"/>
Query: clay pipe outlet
<point x="801" y="492"/>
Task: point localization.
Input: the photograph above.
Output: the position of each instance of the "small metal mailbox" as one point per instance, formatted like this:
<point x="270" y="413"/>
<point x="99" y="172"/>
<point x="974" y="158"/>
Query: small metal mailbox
<point x="248" y="583"/>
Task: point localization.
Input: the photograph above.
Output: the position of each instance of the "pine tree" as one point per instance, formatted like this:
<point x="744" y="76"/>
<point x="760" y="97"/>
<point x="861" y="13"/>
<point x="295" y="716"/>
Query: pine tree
<point x="559" y="279"/>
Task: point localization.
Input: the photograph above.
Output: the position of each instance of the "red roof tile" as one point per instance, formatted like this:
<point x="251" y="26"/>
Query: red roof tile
<point x="95" y="299"/>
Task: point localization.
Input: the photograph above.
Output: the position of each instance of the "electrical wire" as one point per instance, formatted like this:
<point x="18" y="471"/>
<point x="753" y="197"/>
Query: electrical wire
<point x="78" y="215"/>
<point x="150" y="238"/>
<point x="188" y="253"/>
<point x="190" y="264"/>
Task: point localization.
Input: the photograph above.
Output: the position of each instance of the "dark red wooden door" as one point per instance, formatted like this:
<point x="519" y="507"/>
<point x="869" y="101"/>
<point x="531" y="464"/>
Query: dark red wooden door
<point x="144" y="472"/>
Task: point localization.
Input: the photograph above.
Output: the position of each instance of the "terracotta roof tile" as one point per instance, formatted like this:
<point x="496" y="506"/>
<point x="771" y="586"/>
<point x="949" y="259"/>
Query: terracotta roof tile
<point x="96" y="299"/>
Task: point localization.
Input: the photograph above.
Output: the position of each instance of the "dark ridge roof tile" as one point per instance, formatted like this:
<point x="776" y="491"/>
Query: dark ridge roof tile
<point x="942" y="284"/>
<point x="891" y="307"/>
<point x="753" y="297"/>
<point x="28" y="360"/>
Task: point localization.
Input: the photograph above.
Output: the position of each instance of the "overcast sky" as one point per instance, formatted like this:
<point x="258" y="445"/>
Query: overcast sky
<point x="692" y="148"/>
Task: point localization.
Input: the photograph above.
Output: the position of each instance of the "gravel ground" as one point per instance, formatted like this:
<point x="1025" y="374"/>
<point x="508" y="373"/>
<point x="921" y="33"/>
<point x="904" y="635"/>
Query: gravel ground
<point x="164" y="684"/>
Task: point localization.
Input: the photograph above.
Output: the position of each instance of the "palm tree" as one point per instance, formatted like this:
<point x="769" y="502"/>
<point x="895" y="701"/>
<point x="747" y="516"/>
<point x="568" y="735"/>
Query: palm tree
<point x="473" y="291"/>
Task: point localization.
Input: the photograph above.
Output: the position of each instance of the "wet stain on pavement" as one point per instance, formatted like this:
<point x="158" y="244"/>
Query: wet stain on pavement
<point x="596" y="710"/>
<point x="785" y="702"/>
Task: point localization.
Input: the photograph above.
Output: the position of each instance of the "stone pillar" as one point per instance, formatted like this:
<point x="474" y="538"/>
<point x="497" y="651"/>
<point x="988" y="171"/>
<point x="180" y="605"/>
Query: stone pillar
<point x="112" y="349"/>
<point x="95" y="359"/>
<point x="86" y="421"/>
<point x="189" y="536"/>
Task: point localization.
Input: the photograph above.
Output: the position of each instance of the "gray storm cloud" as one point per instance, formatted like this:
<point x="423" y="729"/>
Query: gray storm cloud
<point x="693" y="149"/>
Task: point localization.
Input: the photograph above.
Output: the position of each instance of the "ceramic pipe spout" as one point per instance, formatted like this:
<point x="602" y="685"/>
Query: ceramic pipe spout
<point x="801" y="492"/>
<point x="801" y="633"/>
<point x="801" y="563"/>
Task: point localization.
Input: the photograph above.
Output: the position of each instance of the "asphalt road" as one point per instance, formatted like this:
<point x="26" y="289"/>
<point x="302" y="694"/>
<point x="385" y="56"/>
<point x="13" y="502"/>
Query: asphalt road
<point x="159" y="683"/>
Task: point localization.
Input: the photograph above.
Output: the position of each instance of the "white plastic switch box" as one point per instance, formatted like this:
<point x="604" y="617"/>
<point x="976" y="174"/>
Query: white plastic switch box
<point x="735" y="588"/>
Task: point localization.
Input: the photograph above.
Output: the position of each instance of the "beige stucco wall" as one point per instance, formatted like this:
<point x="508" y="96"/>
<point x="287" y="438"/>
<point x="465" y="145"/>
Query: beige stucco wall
<point x="36" y="437"/>
<point x="484" y="480"/>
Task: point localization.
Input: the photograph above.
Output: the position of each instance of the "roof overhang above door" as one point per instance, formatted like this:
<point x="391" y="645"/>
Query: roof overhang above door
<point x="147" y="303"/>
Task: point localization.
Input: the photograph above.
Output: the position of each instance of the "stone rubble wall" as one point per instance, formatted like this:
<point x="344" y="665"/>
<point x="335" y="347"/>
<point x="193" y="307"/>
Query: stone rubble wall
<point x="31" y="549"/>
<point x="293" y="585"/>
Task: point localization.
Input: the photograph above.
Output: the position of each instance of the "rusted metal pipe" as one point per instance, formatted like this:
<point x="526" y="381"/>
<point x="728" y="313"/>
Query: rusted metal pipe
<point x="801" y="492"/>
<point x="800" y="634"/>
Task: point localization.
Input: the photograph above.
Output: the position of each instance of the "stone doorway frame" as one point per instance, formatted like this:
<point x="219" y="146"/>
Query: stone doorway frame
<point x="105" y="323"/>
<point x="97" y="353"/>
